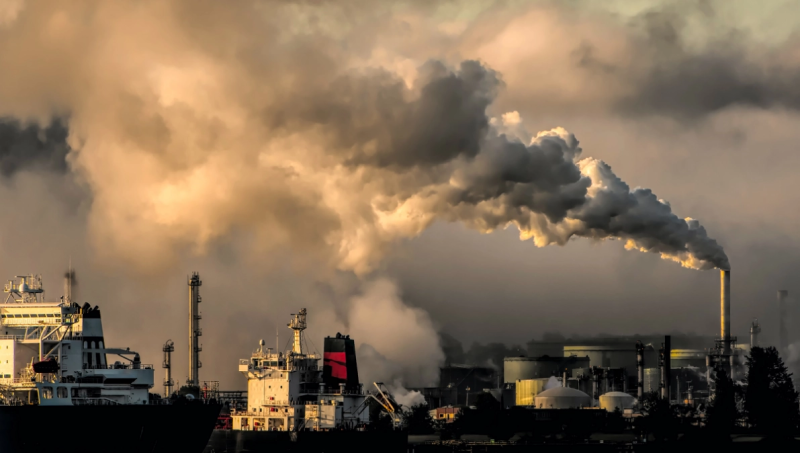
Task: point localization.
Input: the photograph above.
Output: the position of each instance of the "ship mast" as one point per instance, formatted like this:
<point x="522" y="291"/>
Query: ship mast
<point x="298" y="325"/>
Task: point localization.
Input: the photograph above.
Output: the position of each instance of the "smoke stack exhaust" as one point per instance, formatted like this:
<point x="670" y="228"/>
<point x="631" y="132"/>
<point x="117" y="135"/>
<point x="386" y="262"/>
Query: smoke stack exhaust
<point x="725" y="308"/>
<point x="783" y="309"/>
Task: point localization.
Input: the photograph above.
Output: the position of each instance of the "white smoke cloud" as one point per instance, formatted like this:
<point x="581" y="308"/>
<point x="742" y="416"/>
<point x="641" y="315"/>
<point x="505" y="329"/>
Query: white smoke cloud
<point x="398" y="344"/>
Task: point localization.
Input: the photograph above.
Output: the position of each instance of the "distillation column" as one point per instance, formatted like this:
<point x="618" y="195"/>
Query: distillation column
<point x="640" y="369"/>
<point x="755" y="329"/>
<point x="169" y="348"/>
<point x="194" y="329"/>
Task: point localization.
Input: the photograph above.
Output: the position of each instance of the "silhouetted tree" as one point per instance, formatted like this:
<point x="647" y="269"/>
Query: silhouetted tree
<point x="659" y="418"/>
<point x="418" y="420"/>
<point x="770" y="398"/>
<point x="721" y="412"/>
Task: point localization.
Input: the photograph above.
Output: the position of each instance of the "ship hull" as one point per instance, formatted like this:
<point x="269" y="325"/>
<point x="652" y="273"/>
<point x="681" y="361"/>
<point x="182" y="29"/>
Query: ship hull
<point x="230" y="441"/>
<point x="118" y="428"/>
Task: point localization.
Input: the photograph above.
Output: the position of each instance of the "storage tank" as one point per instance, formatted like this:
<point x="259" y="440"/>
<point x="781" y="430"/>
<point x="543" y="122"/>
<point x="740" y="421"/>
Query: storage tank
<point x="684" y="358"/>
<point x="523" y="368"/>
<point x="613" y="400"/>
<point x="652" y="380"/>
<point x="608" y="356"/>
<point x="527" y="389"/>
<point x="562" y="398"/>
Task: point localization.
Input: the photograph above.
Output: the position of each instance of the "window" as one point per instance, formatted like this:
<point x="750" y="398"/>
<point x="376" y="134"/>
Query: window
<point x="26" y="316"/>
<point x="2" y="316"/>
<point x="62" y="392"/>
<point x="47" y="393"/>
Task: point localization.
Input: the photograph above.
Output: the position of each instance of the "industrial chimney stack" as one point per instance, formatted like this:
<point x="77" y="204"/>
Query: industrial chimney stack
<point x="783" y="313"/>
<point x="194" y="329"/>
<point x="665" y="364"/>
<point x="725" y="309"/>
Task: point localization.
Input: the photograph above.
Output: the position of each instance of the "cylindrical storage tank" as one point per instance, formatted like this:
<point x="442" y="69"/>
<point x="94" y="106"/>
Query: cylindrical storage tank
<point x="652" y="380"/>
<point x="562" y="398"/>
<point x="527" y="389"/>
<point x="613" y="400"/>
<point x="686" y="358"/>
<point x="523" y="368"/>
<point x="610" y="356"/>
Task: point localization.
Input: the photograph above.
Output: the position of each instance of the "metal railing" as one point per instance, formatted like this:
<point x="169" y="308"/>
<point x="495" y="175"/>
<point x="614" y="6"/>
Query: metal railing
<point x="94" y="402"/>
<point x="121" y="366"/>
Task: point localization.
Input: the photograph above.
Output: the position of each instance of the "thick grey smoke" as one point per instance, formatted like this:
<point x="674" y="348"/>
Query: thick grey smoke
<point x="682" y="81"/>
<point x="32" y="147"/>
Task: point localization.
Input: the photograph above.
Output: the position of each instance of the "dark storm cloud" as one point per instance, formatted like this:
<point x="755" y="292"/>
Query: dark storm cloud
<point x="26" y="147"/>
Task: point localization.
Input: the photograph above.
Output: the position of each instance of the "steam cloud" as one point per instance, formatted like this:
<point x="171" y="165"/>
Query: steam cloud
<point x="184" y="140"/>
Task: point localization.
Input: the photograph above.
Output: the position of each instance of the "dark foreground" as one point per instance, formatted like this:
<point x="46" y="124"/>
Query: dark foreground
<point x="228" y="441"/>
<point x="183" y="428"/>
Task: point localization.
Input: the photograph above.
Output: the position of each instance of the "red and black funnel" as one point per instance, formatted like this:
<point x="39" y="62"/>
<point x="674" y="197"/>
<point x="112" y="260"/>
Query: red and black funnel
<point x="339" y="364"/>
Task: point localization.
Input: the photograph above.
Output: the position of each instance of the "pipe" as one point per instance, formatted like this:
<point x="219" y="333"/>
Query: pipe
<point x="564" y="379"/>
<point x="725" y="309"/>
<point x="640" y="369"/>
<point x="662" y="385"/>
<point x="667" y="365"/>
<point x="783" y="295"/>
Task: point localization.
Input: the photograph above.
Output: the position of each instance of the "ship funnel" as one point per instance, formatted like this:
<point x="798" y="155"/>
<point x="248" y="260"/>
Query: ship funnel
<point x="339" y="364"/>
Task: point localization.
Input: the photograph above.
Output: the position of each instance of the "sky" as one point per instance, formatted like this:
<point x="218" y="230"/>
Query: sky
<point x="486" y="169"/>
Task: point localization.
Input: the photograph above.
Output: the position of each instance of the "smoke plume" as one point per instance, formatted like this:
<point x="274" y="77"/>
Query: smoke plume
<point x="325" y="129"/>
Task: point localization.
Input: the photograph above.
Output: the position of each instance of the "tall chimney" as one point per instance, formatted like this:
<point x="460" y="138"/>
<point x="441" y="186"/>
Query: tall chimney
<point x="194" y="329"/>
<point x="783" y="308"/>
<point x="725" y="309"/>
<point x="640" y="369"/>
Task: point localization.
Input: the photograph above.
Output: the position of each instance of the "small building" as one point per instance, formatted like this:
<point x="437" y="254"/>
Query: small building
<point x="445" y="414"/>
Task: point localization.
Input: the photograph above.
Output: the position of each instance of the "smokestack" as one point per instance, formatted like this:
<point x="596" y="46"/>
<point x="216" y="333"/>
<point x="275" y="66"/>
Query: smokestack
<point x="564" y="378"/>
<point x="640" y="369"/>
<point x="783" y="308"/>
<point x="725" y="309"/>
<point x="664" y="363"/>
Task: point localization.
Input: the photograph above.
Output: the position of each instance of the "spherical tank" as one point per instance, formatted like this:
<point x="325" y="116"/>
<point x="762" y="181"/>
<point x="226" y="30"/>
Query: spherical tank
<point x="562" y="398"/>
<point x="613" y="400"/>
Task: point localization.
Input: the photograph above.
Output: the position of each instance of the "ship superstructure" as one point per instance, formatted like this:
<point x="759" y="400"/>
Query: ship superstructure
<point x="290" y="391"/>
<point x="55" y="352"/>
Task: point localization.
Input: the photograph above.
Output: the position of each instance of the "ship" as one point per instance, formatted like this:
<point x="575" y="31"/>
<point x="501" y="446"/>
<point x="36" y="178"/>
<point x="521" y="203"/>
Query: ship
<point x="294" y="404"/>
<point x="62" y="389"/>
